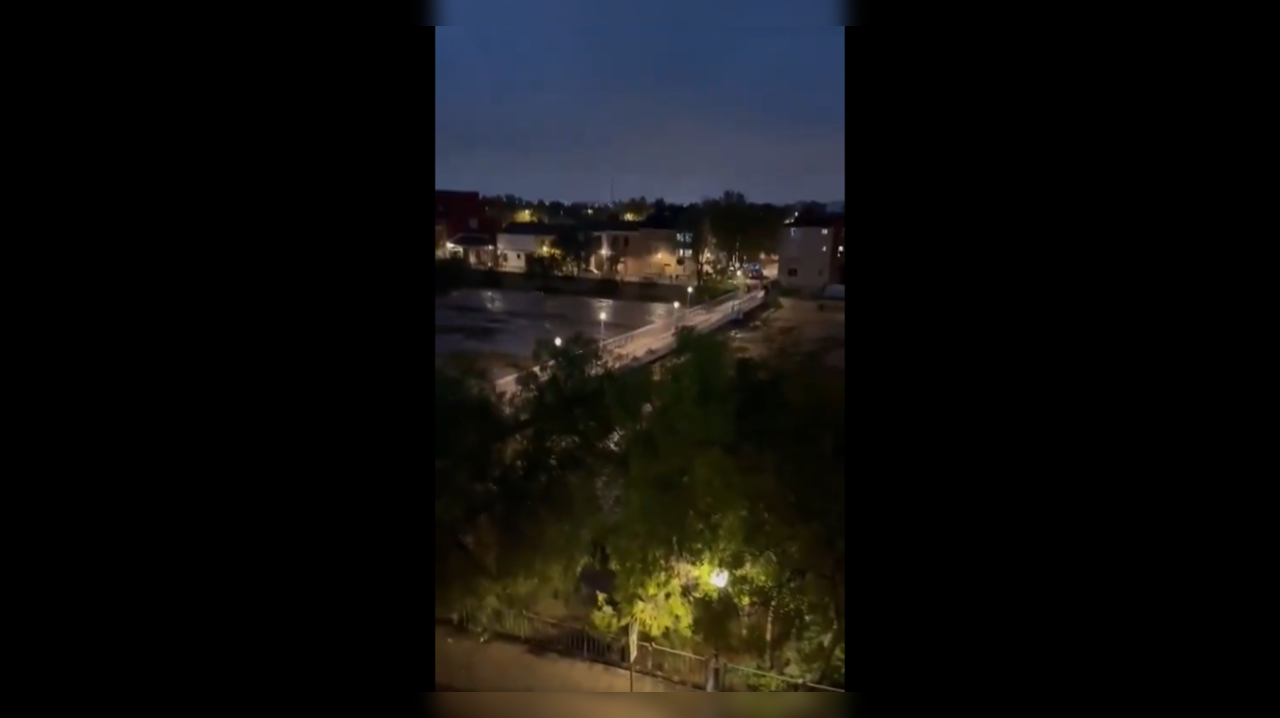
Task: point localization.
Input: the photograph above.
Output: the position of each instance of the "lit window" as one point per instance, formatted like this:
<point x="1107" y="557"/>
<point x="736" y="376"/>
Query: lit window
<point x="824" y="231"/>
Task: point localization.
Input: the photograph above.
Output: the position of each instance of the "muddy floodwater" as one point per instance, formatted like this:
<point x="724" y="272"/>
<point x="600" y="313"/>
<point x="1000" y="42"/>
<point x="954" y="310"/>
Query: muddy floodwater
<point x="499" y="327"/>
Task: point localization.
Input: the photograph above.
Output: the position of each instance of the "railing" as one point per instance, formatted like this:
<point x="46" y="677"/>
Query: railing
<point x="736" y="679"/>
<point x="651" y="659"/>
<point x="673" y="665"/>
<point x="549" y="634"/>
<point x="657" y="338"/>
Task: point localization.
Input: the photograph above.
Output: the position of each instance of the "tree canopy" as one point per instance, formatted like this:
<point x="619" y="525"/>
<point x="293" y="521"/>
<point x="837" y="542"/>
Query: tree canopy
<point x="660" y="477"/>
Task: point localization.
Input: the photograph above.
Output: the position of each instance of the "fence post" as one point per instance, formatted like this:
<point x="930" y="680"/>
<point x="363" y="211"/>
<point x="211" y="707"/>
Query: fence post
<point x="651" y="656"/>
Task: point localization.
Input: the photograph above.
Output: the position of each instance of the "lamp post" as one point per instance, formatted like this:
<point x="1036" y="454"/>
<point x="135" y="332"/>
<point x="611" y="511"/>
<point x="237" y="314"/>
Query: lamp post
<point x="719" y="579"/>
<point x="633" y="639"/>
<point x="675" y="318"/>
<point x="601" y="331"/>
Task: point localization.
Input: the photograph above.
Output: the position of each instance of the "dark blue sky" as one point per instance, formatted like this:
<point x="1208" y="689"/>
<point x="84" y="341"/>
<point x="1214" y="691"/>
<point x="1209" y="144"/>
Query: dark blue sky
<point x="545" y="106"/>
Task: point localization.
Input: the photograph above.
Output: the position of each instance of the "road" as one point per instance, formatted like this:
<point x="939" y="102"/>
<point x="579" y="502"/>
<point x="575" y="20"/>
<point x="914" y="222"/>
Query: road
<point x="497" y="665"/>
<point x="568" y="705"/>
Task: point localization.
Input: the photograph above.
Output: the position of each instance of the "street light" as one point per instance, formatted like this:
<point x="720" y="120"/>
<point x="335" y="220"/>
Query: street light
<point x="557" y="341"/>
<point x="675" y="316"/>
<point x="602" y="331"/>
<point x="719" y="579"/>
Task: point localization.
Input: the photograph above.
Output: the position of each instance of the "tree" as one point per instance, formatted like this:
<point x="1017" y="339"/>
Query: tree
<point x="731" y="219"/>
<point x="517" y="494"/>
<point x="574" y="245"/>
<point x="762" y="232"/>
<point x="706" y="462"/>
<point x="693" y="220"/>
<point x="715" y="477"/>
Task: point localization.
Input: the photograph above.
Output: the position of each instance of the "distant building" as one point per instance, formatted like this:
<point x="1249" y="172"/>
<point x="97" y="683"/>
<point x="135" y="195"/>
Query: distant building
<point x="650" y="250"/>
<point x="458" y="213"/>
<point x="614" y="248"/>
<point x="518" y="241"/>
<point x="478" y="249"/>
<point x="811" y="252"/>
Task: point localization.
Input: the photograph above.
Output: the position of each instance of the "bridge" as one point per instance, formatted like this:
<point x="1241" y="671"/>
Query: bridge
<point x="658" y="339"/>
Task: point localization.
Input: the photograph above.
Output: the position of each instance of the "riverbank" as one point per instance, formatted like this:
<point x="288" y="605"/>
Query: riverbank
<point x="452" y="275"/>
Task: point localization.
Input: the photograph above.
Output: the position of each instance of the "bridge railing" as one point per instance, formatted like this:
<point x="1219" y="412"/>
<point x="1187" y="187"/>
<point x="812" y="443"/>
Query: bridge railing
<point x="657" y="338"/>
<point x="651" y="659"/>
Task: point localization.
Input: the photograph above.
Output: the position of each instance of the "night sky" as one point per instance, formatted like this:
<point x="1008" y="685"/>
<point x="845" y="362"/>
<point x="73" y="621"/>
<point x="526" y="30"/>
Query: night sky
<point x="543" y="106"/>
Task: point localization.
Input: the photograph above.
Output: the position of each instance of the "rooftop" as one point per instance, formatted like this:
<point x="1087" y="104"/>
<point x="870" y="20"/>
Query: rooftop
<point x="473" y="240"/>
<point x="532" y="228"/>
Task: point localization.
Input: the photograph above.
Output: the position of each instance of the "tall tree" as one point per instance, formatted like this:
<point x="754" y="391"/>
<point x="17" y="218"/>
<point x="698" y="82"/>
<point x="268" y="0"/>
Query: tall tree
<point x="731" y="219"/>
<point x="693" y="220"/>
<point x="573" y="244"/>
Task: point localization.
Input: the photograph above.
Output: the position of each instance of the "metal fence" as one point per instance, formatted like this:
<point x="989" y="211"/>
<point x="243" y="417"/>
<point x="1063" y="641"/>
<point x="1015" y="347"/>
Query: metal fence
<point x="546" y="633"/>
<point x="651" y="659"/>
<point x="734" y="678"/>
<point x="673" y="665"/>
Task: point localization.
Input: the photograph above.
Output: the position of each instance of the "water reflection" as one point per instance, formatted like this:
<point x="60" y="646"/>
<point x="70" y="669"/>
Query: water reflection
<point x="509" y="322"/>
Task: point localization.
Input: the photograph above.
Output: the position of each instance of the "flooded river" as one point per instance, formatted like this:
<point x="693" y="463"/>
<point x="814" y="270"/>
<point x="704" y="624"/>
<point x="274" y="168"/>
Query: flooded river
<point x="499" y="327"/>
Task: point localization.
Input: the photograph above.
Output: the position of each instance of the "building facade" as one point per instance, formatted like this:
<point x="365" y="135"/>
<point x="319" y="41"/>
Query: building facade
<point x="654" y="250"/>
<point x="517" y="242"/>
<point x="458" y="212"/>
<point x="811" y="252"/>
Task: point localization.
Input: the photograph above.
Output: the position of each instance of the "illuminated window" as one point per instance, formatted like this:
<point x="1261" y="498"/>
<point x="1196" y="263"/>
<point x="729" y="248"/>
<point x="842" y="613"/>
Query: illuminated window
<point x="824" y="231"/>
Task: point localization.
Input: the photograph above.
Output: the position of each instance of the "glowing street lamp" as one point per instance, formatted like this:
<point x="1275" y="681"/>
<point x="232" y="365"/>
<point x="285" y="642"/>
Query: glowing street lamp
<point x="719" y="579"/>
<point x="557" y="341"/>
<point x="602" y="330"/>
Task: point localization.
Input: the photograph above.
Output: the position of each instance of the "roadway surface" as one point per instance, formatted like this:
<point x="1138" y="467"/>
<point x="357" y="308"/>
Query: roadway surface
<point x="466" y="664"/>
